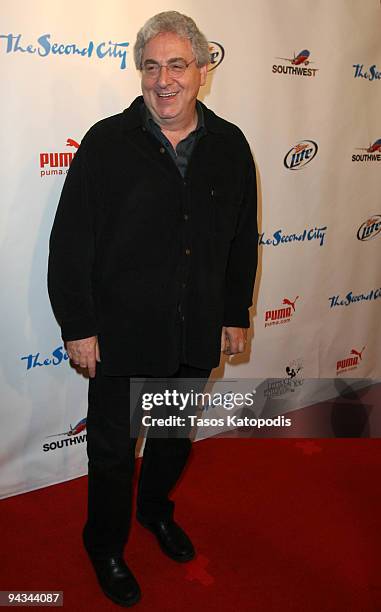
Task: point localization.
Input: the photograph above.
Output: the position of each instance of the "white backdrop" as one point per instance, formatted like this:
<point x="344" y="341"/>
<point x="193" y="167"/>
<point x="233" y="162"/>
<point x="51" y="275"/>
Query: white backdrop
<point x="294" y="74"/>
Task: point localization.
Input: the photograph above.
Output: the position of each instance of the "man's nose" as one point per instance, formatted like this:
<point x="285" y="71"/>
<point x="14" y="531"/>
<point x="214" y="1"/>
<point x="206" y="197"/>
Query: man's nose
<point x="164" y="77"/>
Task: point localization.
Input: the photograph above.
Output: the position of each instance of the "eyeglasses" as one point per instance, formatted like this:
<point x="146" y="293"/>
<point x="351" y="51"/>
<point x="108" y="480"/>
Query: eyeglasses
<point x="175" y="67"/>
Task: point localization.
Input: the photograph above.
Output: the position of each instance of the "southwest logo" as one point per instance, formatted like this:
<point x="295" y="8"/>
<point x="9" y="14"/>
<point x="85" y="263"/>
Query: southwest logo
<point x="281" y="314"/>
<point x="300" y="154"/>
<point x="58" y="163"/>
<point x="373" y="152"/>
<point x="298" y="65"/>
<point x="73" y="431"/>
<point x="349" y="363"/>
<point x="217" y="54"/>
<point x="369" y="229"/>
<point x="72" y="437"/>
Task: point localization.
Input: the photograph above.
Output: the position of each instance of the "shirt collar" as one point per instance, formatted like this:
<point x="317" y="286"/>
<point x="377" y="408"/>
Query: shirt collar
<point x="150" y="124"/>
<point x="132" y="118"/>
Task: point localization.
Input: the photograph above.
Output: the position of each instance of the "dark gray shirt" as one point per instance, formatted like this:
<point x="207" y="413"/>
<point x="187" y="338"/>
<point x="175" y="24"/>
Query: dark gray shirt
<point x="184" y="149"/>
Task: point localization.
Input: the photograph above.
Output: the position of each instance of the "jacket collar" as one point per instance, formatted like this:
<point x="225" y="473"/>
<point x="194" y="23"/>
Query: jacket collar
<point x="132" y="118"/>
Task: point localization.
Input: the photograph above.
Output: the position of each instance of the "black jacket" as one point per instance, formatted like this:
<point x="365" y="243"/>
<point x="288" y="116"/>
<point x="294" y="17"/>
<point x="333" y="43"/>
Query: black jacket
<point x="151" y="263"/>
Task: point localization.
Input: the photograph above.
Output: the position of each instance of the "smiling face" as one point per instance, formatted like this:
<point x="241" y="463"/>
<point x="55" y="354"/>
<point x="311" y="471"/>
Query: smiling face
<point x="171" y="99"/>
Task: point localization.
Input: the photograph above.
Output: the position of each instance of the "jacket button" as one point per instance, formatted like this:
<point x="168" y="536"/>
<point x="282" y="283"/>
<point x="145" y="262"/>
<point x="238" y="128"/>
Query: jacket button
<point x="187" y="252"/>
<point x="162" y="150"/>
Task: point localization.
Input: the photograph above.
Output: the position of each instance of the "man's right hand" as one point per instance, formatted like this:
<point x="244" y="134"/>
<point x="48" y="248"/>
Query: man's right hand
<point x="84" y="353"/>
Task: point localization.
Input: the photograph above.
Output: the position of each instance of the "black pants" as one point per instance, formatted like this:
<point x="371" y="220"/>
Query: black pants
<point x="111" y="453"/>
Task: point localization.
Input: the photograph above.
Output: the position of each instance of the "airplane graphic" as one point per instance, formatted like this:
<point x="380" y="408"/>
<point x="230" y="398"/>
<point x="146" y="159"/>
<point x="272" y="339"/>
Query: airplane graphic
<point x="359" y="354"/>
<point x="72" y="143"/>
<point x="376" y="146"/>
<point x="297" y="60"/>
<point x="80" y="426"/>
<point x="290" y="303"/>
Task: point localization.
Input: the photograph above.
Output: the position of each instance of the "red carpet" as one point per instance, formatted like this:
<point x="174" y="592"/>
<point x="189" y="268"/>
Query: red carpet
<point x="279" y="525"/>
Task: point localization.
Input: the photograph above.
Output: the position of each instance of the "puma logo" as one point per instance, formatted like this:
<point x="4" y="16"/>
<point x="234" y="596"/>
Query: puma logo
<point x="290" y="303"/>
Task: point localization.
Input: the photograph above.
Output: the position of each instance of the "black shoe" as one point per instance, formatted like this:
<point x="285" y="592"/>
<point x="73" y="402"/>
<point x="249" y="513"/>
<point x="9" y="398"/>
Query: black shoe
<point x="116" y="580"/>
<point x="172" y="540"/>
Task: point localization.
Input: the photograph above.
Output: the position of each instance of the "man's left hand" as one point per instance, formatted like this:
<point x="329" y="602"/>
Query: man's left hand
<point x="233" y="340"/>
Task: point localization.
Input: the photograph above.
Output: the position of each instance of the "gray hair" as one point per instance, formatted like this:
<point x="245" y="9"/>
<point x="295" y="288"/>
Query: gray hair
<point x="172" y="21"/>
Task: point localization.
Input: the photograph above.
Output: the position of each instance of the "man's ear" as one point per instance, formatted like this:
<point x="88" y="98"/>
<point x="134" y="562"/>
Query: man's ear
<point x="203" y="74"/>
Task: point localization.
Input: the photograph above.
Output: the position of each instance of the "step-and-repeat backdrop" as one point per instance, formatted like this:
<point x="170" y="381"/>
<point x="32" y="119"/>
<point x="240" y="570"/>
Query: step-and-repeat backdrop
<point x="303" y="81"/>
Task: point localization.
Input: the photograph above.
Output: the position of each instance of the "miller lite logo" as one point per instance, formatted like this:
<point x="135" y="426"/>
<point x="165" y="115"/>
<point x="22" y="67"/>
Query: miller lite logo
<point x="370" y="228"/>
<point x="300" y="154"/>
<point x="282" y="314"/>
<point x="217" y="54"/>
<point x="58" y="163"/>
<point x="349" y="363"/>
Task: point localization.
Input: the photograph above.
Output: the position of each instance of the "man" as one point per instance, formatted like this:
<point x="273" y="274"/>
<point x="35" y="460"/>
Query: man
<point x="151" y="272"/>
